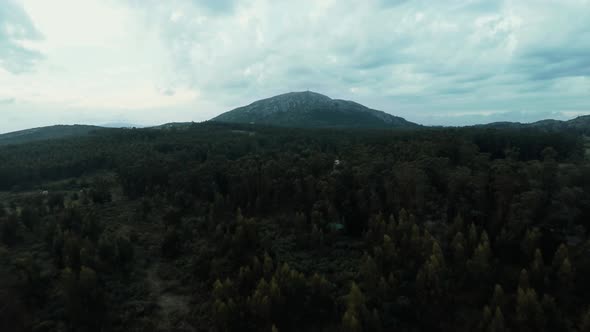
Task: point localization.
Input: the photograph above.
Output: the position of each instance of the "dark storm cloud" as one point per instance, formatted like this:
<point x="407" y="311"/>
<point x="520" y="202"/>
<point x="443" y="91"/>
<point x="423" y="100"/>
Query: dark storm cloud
<point x="551" y="64"/>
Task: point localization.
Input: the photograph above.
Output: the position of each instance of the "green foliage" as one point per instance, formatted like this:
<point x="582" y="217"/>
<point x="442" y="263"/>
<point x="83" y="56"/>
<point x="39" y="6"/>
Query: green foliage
<point x="355" y="307"/>
<point x="497" y="324"/>
<point x="537" y="269"/>
<point x="529" y="312"/>
<point x="530" y="243"/>
<point x="206" y="227"/>
<point x="83" y="299"/>
<point x="171" y="244"/>
<point x="430" y="279"/>
<point x="480" y="263"/>
<point x="9" y="229"/>
<point x="585" y="321"/>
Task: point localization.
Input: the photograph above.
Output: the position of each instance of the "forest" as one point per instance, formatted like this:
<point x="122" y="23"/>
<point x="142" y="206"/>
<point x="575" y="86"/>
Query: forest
<point x="219" y="227"/>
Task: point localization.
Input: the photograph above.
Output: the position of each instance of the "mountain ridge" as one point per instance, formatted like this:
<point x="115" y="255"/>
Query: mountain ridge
<point x="580" y="124"/>
<point x="47" y="132"/>
<point x="312" y="110"/>
<point x="305" y="109"/>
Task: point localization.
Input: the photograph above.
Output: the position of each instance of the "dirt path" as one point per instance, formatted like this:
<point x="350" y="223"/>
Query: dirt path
<point x="170" y="304"/>
<point x="173" y="306"/>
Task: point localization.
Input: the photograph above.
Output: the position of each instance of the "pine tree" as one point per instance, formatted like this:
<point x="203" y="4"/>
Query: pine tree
<point x="267" y="266"/>
<point x="480" y="264"/>
<point x="538" y="269"/>
<point x="376" y="229"/>
<point x="220" y="314"/>
<point x="529" y="313"/>
<point x="486" y="318"/>
<point x="350" y="322"/>
<point x="389" y="253"/>
<point x="585" y="321"/>
<point x="530" y="242"/>
<point x="429" y="281"/>
<point x="438" y="254"/>
<point x="316" y="237"/>
<point x="384" y="290"/>
<point x="560" y="255"/>
<point x="260" y="304"/>
<point x="566" y="274"/>
<point x="223" y="290"/>
<point x="472" y="238"/>
<point x="497" y="324"/>
<point x="565" y="278"/>
<point x="355" y="298"/>
<point x="499" y="298"/>
<point x="369" y="274"/>
<point x="355" y="307"/>
<point x="404" y="225"/>
<point x="391" y="227"/>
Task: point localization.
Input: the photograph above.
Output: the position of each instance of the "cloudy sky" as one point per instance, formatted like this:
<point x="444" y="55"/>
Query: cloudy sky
<point x="150" y="61"/>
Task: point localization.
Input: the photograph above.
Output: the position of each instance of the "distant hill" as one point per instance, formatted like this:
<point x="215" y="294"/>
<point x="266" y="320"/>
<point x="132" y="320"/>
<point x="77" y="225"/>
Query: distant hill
<point x="297" y="110"/>
<point x="580" y="124"/>
<point x="312" y="110"/>
<point x="45" y="133"/>
<point x="174" y="125"/>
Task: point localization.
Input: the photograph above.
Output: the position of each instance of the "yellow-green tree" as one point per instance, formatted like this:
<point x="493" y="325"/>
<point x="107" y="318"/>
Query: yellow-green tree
<point x="355" y="308"/>
<point x="529" y="312"/>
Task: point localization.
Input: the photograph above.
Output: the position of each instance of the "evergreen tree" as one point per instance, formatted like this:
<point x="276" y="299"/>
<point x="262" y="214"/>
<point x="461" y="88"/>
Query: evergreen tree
<point x="529" y="312"/>
<point x="497" y="324"/>
<point x="560" y="255"/>
<point x="472" y="238"/>
<point x="537" y="269"/>
<point x="355" y="307"/>
<point x="480" y="264"/>
<point x="430" y="279"/>
<point x="369" y="274"/>
<point x="530" y="242"/>
<point x="585" y="321"/>
<point x="499" y="298"/>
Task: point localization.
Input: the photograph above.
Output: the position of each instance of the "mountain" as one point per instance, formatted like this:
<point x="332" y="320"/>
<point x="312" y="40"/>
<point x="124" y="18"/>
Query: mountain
<point x="581" y="125"/>
<point x="312" y="110"/>
<point x="45" y="133"/>
<point x="174" y="125"/>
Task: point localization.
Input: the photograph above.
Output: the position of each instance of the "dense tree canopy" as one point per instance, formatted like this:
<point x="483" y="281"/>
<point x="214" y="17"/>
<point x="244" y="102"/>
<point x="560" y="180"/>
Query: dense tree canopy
<point x="247" y="228"/>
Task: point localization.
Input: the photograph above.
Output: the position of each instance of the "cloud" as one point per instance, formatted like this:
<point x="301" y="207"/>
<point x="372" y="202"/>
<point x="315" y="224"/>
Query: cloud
<point x="448" y="62"/>
<point x="16" y="29"/>
<point x="209" y="7"/>
<point x="553" y="64"/>
<point x="7" y="101"/>
<point x="219" y="6"/>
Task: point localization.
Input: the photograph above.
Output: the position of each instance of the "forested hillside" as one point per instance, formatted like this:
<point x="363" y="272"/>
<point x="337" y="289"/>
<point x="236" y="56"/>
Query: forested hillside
<point x="219" y="227"/>
<point x="46" y="133"/>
